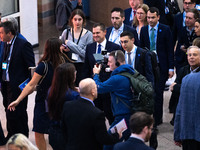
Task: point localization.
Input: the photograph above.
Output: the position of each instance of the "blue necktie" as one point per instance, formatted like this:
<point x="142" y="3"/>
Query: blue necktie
<point x="99" y="49"/>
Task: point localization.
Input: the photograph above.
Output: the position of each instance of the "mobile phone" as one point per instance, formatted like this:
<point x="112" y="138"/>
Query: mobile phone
<point x="64" y="45"/>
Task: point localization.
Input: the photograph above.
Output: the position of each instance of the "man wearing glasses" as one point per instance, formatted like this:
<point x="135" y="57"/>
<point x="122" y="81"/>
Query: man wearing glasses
<point x="134" y="56"/>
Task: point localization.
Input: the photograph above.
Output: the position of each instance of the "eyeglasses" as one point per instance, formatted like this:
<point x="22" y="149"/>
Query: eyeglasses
<point x="123" y="42"/>
<point x="189" y="3"/>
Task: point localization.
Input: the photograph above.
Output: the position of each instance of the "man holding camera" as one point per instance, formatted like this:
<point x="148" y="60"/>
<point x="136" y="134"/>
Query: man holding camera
<point x="119" y="88"/>
<point x="100" y="46"/>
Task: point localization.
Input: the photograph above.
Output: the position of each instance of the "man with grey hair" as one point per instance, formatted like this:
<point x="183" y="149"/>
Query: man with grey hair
<point x="193" y="56"/>
<point x="81" y="117"/>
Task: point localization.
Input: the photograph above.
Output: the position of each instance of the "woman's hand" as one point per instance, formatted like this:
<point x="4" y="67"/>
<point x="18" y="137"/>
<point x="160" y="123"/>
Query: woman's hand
<point x="64" y="48"/>
<point x="12" y="105"/>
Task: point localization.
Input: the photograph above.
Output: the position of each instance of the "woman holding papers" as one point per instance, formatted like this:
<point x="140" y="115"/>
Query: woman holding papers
<point x="76" y="39"/>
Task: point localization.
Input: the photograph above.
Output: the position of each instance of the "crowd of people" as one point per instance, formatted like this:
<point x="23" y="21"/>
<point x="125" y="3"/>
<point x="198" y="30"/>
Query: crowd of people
<point x="78" y="79"/>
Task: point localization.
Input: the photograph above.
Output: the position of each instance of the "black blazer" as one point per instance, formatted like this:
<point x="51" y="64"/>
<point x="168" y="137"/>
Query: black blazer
<point x="126" y="28"/>
<point x="177" y="27"/>
<point x="22" y="58"/>
<point x="127" y="16"/>
<point x="90" y="61"/>
<point x="84" y="126"/>
<point x="164" y="46"/>
<point x="132" y="144"/>
<point x="183" y="39"/>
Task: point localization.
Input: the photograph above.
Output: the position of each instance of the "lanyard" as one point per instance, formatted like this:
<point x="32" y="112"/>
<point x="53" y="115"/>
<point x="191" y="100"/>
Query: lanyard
<point x="78" y="37"/>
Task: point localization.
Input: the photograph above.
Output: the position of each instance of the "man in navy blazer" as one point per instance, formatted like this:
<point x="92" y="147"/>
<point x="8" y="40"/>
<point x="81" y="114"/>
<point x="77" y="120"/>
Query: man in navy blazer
<point x="113" y="32"/>
<point x="141" y="125"/>
<point x="179" y="23"/>
<point x="99" y="31"/>
<point x="136" y="53"/>
<point x="83" y="124"/>
<point x="18" y="56"/>
<point x="131" y="12"/>
<point x="157" y="38"/>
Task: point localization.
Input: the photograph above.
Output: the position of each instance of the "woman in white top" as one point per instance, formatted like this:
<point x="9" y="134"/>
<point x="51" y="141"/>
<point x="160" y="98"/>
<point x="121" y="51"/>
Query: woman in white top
<point x="141" y="18"/>
<point x="76" y="39"/>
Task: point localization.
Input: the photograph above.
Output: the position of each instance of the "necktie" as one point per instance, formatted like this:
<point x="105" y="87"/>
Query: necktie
<point x="5" y="59"/>
<point x="6" y="51"/>
<point x="134" y="12"/>
<point x="99" y="49"/>
<point x="152" y="40"/>
<point x="129" y="58"/>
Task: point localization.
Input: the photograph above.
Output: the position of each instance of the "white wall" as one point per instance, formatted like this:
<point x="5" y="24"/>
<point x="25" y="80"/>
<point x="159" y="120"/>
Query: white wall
<point x="28" y="20"/>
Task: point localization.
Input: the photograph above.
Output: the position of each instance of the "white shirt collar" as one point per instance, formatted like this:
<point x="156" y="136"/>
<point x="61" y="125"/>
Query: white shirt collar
<point x="155" y="27"/>
<point x="135" y="136"/>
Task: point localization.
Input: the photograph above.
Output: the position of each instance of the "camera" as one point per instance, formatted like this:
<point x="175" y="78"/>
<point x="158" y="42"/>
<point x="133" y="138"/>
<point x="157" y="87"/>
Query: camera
<point x="102" y="58"/>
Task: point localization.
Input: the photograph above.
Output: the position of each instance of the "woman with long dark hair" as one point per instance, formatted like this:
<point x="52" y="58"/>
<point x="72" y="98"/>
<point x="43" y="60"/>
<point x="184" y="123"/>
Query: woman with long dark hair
<point x="41" y="80"/>
<point x="76" y="39"/>
<point x="61" y="90"/>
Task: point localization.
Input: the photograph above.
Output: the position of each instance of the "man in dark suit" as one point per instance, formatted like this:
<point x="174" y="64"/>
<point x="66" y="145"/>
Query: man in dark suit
<point x="131" y="12"/>
<point x="157" y="38"/>
<point x="135" y="54"/>
<point x="18" y="56"/>
<point x="99" y="31"/>
<point x="141" y="125"/>
<point x="84" y="124"/>
<point x="186" y="38"/>
<point x="113" y="32"/>
<point x="179" y="23"/>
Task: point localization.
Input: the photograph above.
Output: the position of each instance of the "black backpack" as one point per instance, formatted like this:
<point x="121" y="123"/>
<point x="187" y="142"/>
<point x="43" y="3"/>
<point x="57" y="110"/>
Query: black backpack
<point x="154" y="64"/>
<point x="143" y="93"/>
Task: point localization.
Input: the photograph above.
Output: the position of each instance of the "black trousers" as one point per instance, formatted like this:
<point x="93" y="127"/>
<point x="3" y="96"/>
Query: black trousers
<point x="79" y="73"/>
<point x="158" y="105"/>
<point x="17" y="121"/>
<point x="190" y="145"/>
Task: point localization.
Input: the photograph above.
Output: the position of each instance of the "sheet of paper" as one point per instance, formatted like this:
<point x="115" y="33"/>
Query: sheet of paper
<point x="74" y="56"/>
<point x="119" y="126"/>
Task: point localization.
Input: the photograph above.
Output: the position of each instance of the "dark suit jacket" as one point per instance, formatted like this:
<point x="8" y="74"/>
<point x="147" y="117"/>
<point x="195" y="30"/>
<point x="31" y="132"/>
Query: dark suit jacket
<point x="22" y="58"/>
<point x="84" y="126"/>
<point x="143" y="64"/>
<point x="90" y="61"/>
<point x="126" y="28"/>
<point x="127" y="16"/>
<point x="164" y="46"/>
<point x="183" y="39"/>
<point x="177" y="27"/>
<point x="132" y="144"/>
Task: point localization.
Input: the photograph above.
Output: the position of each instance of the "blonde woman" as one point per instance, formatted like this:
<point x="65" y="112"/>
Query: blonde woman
<point x="141" y="18"/>
<point x="20" y="142"/>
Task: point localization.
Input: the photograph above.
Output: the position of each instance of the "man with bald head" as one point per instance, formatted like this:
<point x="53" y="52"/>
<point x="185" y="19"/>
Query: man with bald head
<point x="84" y="124"/>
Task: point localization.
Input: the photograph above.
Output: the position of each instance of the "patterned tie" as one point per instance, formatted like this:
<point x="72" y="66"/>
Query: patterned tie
<point x="152" y="40"/>
<point x="99" y="49"/>
<point x="134" y="12"/>
<point x="129" y="58"/>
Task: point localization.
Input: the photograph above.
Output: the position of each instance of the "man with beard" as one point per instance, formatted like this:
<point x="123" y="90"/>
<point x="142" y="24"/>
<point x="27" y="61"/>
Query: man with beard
<point x="113" y="32"/>
<point x="141" y="125"/>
